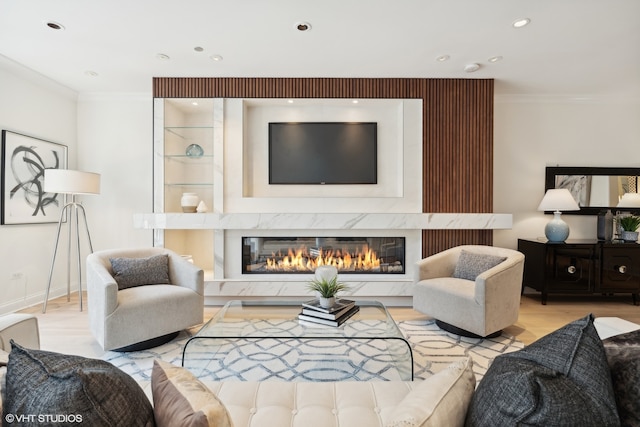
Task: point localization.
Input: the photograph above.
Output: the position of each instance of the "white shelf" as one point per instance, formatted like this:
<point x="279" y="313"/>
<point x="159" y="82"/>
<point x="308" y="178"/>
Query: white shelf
<point x="327" y="221"/>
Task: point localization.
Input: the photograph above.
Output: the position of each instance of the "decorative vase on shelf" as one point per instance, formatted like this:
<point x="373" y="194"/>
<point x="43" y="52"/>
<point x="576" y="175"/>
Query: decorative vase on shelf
<point x="194" y="150"/>
<point x="189" y="202"/>
<point x="629" y="236"/>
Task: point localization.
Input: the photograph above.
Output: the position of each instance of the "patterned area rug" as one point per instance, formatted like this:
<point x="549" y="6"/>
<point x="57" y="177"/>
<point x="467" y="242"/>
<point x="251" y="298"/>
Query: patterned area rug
<point x="318" y="360"/>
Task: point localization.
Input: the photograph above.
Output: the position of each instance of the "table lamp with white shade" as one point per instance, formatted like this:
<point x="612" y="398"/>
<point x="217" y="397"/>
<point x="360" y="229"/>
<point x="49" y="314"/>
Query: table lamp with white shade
<point x="629" y="200"/>
<point x="65" y="181"/>
<point x="557" y="200"/>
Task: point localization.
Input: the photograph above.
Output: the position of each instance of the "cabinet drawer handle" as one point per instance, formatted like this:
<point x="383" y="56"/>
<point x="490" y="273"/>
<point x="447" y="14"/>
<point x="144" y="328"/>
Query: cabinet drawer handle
<point x="622" y="268"/>
<point x="571" y="269"/>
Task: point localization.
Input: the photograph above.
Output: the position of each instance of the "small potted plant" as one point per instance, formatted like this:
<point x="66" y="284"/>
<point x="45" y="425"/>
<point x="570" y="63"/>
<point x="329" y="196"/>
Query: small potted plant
<point x="327" y="288"/>
<point x="629" y="225"/>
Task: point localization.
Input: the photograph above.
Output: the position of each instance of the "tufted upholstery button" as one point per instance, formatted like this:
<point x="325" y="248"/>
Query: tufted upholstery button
<point x="334" y="411"/>
<point x="294" y="412"/>
<point x="377" y="410"/>
<point x="253" y="411"/>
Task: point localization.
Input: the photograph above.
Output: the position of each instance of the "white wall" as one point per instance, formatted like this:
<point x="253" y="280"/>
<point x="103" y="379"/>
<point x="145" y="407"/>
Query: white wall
<point x="531" y="133"/>
<point x="115" y="136"/>
<point x="38" y="107"/>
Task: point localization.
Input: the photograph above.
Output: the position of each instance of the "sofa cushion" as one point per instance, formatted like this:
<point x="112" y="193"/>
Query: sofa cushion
<point x="471" y="264"/>
<point x="130" y="272"/>
<point x="440" y="400"/>
<point x="180" y="399"/>
<point x="561" y="379"/>
<point x="623" y="355"/>
<point x="94" y="392"/>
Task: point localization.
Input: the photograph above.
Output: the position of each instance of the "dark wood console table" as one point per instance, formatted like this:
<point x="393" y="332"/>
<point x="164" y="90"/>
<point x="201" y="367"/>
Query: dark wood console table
<point x="581" y="267"/>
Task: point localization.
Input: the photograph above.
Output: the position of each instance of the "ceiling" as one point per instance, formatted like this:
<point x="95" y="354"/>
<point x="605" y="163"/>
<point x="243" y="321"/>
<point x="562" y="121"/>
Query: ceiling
<point x="574" y="48"/>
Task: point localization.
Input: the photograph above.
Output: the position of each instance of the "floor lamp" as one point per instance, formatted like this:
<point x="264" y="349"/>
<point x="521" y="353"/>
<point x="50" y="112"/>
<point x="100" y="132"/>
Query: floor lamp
<point x="64" y="181"/>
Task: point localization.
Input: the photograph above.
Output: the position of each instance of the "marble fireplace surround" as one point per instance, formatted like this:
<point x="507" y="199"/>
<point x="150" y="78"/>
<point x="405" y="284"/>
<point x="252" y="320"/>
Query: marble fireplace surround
<point x="243" y="205"/>
<point x="227" y="281"/>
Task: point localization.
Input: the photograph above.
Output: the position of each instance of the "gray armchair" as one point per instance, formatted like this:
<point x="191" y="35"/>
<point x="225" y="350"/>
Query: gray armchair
<point x="480" y="307"/>
<point x="142" y="316"/>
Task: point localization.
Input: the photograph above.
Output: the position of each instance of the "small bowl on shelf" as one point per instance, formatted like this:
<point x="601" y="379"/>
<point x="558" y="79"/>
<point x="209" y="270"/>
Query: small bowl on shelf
<point x="194" y="150"/>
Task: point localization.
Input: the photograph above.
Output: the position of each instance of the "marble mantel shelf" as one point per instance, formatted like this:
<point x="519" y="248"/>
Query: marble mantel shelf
<point x="324" y="221"/>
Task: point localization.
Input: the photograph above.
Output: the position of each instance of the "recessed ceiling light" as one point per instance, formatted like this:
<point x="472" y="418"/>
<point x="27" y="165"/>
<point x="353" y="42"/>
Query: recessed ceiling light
<point x="470" y="68"/>
<point x="355" y="101"/>
<point x="216" y="57"/>
<point x="91" y="73"/>
<point x="198" y="49"/>
<point x="303" y="26"/>
<point x="290" y="101"/>
<point x="519" y="23"/>
<point x="194" y="103"/>
<point x="443" y="58"/>
<point x="55" y="25"/>
<point x="162" y="57"/>
<point x="494" y="59"/>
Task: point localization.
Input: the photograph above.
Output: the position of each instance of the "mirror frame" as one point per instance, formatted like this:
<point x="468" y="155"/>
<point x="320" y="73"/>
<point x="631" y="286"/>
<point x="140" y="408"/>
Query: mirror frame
<point x="550" y="182"/>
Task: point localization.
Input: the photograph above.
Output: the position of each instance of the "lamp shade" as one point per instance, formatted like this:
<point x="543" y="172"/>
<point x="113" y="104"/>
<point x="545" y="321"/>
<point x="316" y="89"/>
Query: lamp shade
<point x="558" y="199"/>
<point x="629" y="200"/>
<point x="71" y="182"/>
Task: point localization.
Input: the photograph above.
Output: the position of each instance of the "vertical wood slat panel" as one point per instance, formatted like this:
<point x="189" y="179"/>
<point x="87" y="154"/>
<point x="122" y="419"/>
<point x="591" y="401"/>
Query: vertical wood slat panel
<point x="457" y="133"/>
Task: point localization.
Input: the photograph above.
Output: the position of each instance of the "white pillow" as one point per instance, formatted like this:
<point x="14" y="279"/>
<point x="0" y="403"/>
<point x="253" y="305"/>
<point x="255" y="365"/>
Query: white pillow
<point x="440" y="400"/>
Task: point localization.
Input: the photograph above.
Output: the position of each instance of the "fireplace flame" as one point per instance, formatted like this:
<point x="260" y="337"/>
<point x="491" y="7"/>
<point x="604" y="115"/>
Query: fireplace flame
<point x="300" y="260"/>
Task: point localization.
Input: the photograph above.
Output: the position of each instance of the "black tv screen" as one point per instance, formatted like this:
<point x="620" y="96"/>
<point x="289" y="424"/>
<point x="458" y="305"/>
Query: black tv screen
<point x="323" y="153"/>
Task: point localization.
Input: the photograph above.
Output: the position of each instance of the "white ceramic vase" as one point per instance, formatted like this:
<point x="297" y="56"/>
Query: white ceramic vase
<point x="629" y="236"/>
<point x="189" y="202"/>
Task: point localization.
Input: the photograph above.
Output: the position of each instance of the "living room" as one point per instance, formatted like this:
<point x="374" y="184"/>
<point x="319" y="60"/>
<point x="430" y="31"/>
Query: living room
<point x="593" y="122"/>
<point x="531" y="130"/>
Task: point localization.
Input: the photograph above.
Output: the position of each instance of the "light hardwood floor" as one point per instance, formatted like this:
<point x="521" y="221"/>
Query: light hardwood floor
<point x="63" y="328"/>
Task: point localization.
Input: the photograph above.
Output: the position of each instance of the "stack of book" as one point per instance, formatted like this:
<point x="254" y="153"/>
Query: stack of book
<point x="313" y="313"/>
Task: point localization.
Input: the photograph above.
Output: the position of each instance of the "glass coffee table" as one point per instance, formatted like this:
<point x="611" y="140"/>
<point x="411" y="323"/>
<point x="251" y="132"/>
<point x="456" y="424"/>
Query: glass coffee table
<point x="249" y="340"/>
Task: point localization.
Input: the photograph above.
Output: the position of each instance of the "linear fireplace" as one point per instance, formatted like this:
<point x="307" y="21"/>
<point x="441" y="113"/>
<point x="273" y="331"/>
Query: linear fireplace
<point x="370" y="255"/>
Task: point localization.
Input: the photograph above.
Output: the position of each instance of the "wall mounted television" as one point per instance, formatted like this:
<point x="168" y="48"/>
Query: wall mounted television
<point x="323" y="153"/>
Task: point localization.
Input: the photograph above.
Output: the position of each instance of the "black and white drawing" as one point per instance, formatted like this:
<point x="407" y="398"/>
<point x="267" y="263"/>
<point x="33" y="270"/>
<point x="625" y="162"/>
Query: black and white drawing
<point x="24" y="160"/>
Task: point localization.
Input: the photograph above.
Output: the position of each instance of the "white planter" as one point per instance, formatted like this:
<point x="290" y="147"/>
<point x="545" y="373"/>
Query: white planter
<point x="327" y="302"/>
<point x="189" y="202"/>
<point x="629" y="236"/>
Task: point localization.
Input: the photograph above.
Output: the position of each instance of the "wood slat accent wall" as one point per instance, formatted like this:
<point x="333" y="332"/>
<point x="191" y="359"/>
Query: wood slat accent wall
<point x="457" y="133"/>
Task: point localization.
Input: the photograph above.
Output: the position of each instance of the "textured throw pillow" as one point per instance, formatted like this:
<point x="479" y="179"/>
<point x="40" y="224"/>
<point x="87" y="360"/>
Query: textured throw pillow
<point x="86" y="391"/>
<point x="470" y="264"/>
<point x="562" y="379"/>
<point x="440" y="400"/>
<point x="130" y="272"/>
<point x="180" y="399"/>
<point x="3" y="385"/>
<point x="623" y="355"/>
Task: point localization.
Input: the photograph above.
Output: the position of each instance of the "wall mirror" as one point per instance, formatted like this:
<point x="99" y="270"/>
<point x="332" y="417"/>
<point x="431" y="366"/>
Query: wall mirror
<point x="594" y="188"/>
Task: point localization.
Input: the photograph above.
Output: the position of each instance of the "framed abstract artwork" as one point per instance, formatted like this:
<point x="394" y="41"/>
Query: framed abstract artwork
<point x="24" y="160"/>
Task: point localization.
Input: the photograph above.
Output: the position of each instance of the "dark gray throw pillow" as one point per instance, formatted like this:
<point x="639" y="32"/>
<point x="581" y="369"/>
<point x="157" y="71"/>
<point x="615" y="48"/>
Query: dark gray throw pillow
<point x="86" y="391"/>
<point x="131" y="272"/>
<point x="470" y="264"/>
<point x="623" y="355"/>
<point x="562" y="379"/>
